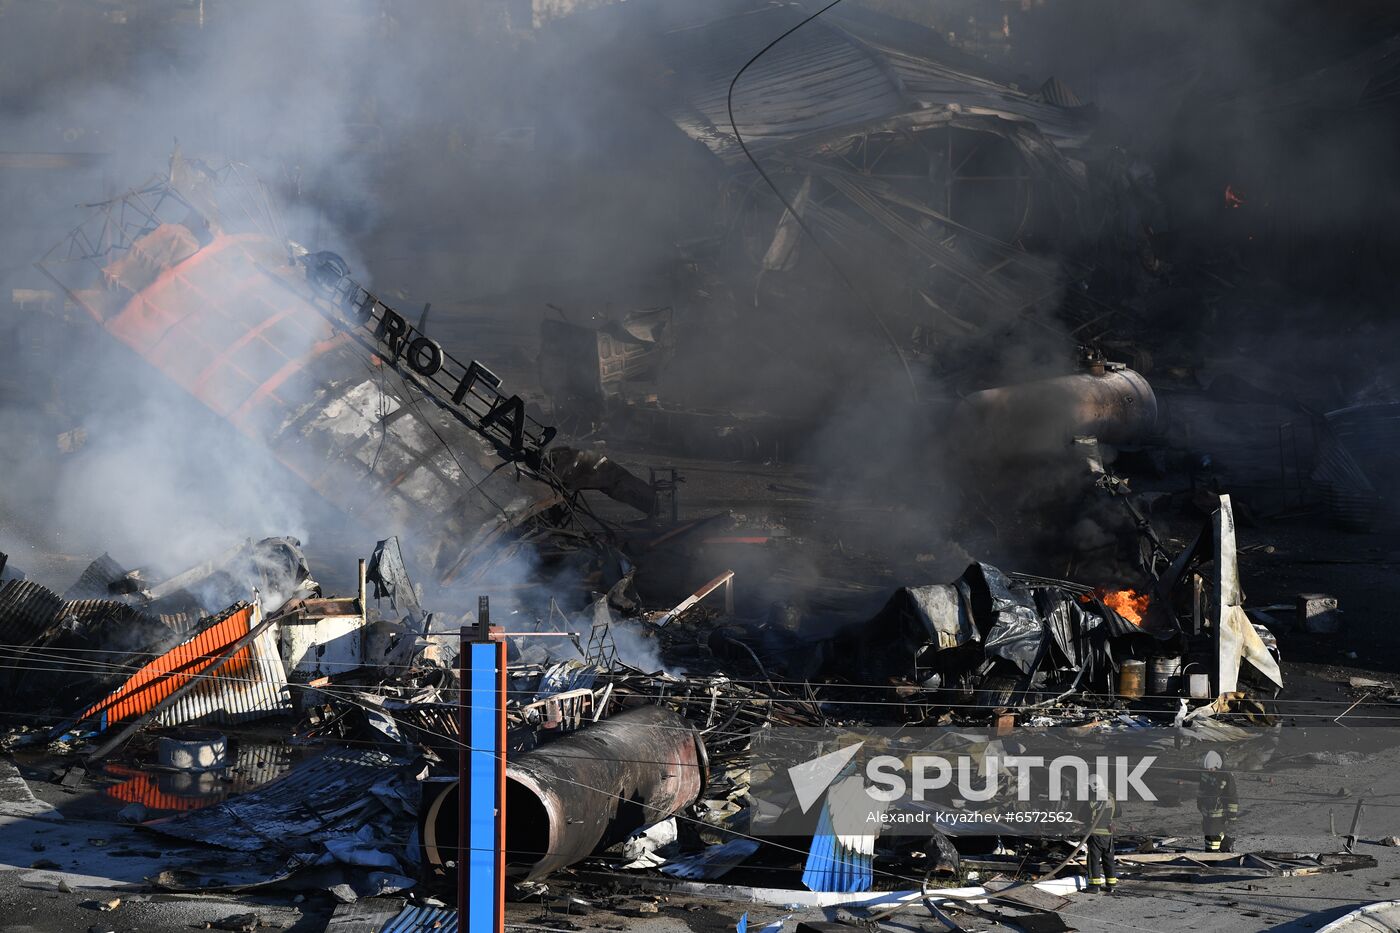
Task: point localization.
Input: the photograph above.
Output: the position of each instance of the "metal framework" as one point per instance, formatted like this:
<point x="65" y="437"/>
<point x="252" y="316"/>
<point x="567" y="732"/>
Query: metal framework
<point x="241" y="200"/>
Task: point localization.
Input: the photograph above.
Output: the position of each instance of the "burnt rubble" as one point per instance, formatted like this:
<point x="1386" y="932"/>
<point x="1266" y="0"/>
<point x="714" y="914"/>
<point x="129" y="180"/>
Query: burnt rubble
<point x="314" y="738"/>
<point x="357" y="793"/>
<point x="336" y="728"/>
<point x="945" y="434"/>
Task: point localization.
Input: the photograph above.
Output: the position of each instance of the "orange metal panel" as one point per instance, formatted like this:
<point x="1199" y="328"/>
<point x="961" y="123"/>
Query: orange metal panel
<point x="269" y="388"/>
<point x="144" y="322"/>
<point x="161" y="677"/>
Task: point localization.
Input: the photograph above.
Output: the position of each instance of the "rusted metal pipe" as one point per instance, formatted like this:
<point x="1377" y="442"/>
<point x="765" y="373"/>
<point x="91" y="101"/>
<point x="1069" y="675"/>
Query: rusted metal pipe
<point x="1116" y="407"/>
<point x="584" y="792"/>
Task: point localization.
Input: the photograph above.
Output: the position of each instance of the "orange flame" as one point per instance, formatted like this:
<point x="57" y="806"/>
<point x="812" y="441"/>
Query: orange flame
<point x="1130" y="604"/>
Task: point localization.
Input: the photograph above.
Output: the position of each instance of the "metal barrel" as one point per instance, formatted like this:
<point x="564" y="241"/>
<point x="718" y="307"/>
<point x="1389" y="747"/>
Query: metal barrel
<point x="1131" y="679"/>
<point x="1164" y="676"/>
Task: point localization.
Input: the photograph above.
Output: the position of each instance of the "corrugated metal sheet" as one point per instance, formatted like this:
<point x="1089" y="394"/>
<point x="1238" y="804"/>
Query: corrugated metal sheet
<point x="414" y="919"/>
<point x="92" y="614"/>
<point x="251" y="686"/>
<point x="934" y="86"/>
<point x="1358" y="464"/>
<point x="330" y="789"/>
<point x="841" y="861"/>
<point x="96" y="581"/>
<point x="827" y="78"/>
<point x="816" y="81"/>
<point x="390" y="915"/>
<point x="26" y="612"/>
<point x="1371" y="434"/>
<point x="179" y="612"/>
<point x="52" y="651"/>
<point x="831" y="866"/>
<point x="181" y="623"/>
<point x="252" y="683"/>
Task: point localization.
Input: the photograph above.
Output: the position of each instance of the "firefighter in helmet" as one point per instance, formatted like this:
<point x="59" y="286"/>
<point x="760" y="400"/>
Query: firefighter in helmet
<point x="1218" y="799"/>
<point x="1103" y="872"/>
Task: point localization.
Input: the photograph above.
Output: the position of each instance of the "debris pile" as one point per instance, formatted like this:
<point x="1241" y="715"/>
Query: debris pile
<point x="613" y="767"/>
<point x="1032" y="549"/>
<point x="318" y="739"/>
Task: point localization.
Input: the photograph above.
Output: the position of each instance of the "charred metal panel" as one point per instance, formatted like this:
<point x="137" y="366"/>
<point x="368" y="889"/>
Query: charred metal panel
<point x="26" y="611"/>
<point x="832" y="75"/>
<point x="98" y="580"/>
<point x="231" y="318"/>
<point x="61" y="651"/>
<point x="818" y="80"/>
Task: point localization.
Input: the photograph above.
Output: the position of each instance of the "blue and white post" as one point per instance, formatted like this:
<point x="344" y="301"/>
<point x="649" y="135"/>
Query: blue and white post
<point x="481" y="783"/>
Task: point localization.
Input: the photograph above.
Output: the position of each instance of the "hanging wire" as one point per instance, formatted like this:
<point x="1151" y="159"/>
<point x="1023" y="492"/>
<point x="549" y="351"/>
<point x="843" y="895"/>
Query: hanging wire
<point x="860" y="296"/>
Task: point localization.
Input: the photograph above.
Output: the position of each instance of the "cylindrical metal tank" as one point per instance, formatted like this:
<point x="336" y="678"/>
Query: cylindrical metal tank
<point x="1164" y="676"/>
<point x="1116" y="407"/>
<point x="584" y="792"/>
<point x="1131" y="680"/>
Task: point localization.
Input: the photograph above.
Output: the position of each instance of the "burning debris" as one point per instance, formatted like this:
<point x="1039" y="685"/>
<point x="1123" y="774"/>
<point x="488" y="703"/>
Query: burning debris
<point x="882" y="547"/>
<point x="601" y="754"/>
<point x="629" y="728"/>
<point x="1129" y="604"/>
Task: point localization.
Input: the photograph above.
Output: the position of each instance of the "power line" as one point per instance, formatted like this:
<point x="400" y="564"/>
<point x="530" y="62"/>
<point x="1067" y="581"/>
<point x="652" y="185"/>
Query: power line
<point x="21" y="651"/>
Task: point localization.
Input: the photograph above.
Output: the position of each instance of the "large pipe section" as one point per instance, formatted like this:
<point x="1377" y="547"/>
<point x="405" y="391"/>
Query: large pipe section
<point x="584" y="792"/>
<point x="1113" y="403"/>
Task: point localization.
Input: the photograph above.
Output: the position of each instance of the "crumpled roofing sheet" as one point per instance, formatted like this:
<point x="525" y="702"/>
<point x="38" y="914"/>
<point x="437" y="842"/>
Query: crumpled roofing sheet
<point x="56" y="650"/>
<point x="252" y="683"/>
<point x="330" y="789"/>
<point x="816" y="80"/>
<point x="825" y="79"/>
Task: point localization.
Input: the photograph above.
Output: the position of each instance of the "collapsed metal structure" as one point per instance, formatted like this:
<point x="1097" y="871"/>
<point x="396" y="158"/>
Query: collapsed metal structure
<point x="371" y="412"/>
<point x="192" y="273"/>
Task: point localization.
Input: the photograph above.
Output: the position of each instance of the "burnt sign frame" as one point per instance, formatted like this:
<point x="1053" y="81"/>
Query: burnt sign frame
<point x="468" y="391"/>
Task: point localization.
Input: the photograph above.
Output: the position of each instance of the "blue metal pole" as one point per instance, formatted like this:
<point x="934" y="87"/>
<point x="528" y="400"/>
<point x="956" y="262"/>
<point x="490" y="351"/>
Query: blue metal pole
<point x="481" y="800"/>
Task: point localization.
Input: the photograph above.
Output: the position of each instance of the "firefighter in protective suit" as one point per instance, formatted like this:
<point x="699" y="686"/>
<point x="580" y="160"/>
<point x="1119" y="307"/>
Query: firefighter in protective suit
<point x="1103" y="872"/>
<point x="1219" y="802"/>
